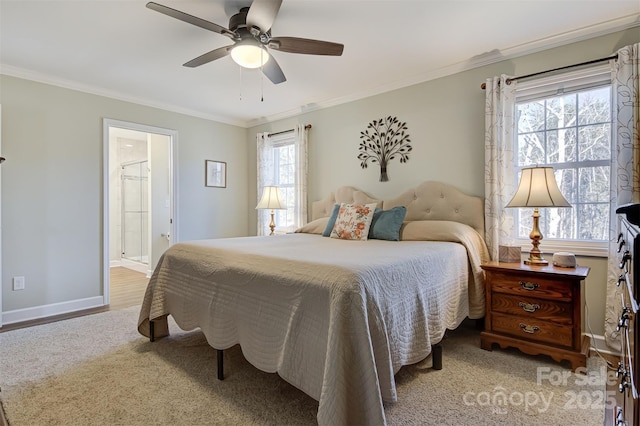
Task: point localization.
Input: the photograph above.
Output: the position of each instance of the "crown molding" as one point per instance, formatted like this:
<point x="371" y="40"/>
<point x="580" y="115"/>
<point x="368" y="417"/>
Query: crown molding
<point x="38" y="77"/>
<point x="569" y="37"/>
<point x="573" y="36"/>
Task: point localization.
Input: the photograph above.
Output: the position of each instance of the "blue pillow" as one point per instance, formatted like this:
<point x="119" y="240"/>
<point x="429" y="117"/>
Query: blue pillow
<point x="332" y="221"/>
<point x="386" y="223"/>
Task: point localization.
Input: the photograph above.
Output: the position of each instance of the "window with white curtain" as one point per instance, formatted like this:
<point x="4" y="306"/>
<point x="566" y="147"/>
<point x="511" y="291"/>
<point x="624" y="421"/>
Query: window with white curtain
<point x="564" y="122"/>
<point x="282" y="161"/>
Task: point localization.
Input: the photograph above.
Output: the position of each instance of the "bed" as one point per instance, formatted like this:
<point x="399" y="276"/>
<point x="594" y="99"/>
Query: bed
<point x="337" y="319"/>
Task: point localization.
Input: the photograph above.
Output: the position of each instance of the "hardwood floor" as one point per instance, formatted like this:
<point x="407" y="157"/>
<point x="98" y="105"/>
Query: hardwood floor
<point x="127" y="289"/>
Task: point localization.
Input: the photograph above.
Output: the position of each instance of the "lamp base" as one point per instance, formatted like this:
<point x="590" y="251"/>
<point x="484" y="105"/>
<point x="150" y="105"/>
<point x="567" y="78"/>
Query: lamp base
<point x="272" y="225"/>
<point x="535" y="255"/>
<point x="536" y="261"/>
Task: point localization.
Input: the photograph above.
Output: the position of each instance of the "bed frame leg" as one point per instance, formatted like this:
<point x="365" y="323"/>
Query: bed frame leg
<point x="436" y="350"/>
<point x="219" y="355"/>
<point x="152" y="336"/>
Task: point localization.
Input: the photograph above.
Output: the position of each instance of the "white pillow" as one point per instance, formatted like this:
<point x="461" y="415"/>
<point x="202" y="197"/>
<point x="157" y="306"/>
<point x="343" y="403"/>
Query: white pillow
<point x="353" y="221"/>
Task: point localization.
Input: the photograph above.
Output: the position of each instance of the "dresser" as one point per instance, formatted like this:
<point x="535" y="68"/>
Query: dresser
<point x="536" y="309"/>
<point x="627" y="413"/>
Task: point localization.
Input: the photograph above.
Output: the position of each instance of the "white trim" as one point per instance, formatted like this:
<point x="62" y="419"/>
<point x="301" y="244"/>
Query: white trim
<point x="100" y="91"/>
<point x="598" y="343"/>
<point x="573" y="36"/>
<point x="567" y="81"/>
<point x="569" y="37"/>
<point x="579" y="248"/>
<point x="173" y="165"/>
<point x="1" y="315"/>
<point x="36" y="312"/>
<point x="134" y="266"/>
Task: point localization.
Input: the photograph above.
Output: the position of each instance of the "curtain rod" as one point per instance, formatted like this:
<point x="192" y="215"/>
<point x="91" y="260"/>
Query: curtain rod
<point x="307" y="127"/>
<point x="483" y="86"/>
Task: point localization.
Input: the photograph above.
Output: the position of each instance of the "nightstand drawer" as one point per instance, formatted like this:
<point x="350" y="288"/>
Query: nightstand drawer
<point x="532" y="329"/>
<point x="529" y="307"/>
<point x="530" y="286"/>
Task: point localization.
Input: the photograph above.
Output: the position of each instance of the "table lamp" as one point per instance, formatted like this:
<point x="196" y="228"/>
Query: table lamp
<point x="538" y="188"/>
<point x="270" y="200"/>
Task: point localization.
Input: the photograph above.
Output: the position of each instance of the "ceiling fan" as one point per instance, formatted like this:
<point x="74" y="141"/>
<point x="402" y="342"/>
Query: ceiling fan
<point x="250" y="30"/>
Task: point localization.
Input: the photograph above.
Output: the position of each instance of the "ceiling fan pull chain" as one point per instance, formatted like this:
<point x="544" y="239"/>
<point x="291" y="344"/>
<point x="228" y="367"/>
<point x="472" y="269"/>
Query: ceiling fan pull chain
<point x="240" y="82"/>
<point x="261" y="75"/>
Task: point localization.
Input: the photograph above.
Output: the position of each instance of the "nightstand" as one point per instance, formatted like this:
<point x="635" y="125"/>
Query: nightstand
<point x="536" y="309"/>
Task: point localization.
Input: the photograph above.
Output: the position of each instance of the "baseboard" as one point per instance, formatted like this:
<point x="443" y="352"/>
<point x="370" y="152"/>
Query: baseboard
<point x="135" y="266"/>
<point x="600" y="345"/>
<point x="115" y="263"/>
<point x="37" y="312"/>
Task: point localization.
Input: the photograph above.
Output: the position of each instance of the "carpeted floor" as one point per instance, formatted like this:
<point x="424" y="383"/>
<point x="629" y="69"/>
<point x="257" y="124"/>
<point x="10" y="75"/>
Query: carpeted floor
<point x="98" y="370"/>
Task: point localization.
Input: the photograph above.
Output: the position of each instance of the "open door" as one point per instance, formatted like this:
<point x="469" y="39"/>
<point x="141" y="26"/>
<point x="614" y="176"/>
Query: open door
<point x="139" y="213"/>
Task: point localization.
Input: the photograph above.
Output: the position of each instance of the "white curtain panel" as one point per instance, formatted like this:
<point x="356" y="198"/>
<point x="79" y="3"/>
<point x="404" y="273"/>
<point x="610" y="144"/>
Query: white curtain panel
<point x="265" y="177"/>
<point x="625" y="164"/>
<point x="499" y="160"/>
<point x="302" y="163"/>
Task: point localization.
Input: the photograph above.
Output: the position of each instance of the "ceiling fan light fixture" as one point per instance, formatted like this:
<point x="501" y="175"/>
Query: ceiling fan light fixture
<point x="249" y="54"/>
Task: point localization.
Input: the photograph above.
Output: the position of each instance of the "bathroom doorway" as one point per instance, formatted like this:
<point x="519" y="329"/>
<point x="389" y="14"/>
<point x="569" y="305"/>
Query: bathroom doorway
<point x="139" y="217"/>
<point x="134" y="215"/>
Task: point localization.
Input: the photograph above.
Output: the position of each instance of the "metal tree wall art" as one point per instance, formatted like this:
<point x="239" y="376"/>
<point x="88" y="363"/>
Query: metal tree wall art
<point x="382" y="141"/>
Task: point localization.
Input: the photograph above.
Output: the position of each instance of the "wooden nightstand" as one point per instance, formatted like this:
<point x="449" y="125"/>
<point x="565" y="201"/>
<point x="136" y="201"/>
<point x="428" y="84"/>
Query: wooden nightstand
<point x="537" y="309"/>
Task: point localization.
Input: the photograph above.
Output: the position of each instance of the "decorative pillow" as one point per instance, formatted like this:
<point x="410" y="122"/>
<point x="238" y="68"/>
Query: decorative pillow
<point x="353" y="222"/>
<point x="386" y="224"/>
<point x="314" y="227"/>
<point x="332" y="221"/>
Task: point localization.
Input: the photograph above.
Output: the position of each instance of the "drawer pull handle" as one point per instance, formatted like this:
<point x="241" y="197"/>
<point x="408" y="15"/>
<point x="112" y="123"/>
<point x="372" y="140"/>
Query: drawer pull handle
<point x="529" y="328"/>
<point x="528" y="307"/>
<point x="626" y="257"/>
<point x="528" y="286"/>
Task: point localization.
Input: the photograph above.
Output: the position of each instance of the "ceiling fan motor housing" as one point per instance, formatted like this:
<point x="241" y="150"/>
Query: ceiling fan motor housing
<point x="239" y="20"/>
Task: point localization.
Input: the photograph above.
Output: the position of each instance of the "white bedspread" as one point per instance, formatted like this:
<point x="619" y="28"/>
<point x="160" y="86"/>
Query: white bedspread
<point x="335" y="318"/>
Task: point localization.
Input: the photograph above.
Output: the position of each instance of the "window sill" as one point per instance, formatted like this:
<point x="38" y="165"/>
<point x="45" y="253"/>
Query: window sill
<point x="579" y="248"/>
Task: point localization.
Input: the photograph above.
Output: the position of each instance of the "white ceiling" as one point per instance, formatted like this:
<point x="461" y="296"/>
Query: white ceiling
<point x="121" y="49"/>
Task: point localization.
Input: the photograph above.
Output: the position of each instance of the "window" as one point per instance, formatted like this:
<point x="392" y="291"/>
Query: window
<point x="565" y="123"/>
<point x="282" y="161"/>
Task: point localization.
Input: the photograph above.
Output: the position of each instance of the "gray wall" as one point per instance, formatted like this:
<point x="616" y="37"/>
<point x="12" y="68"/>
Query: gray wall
<point x="52" y="179"/>
<point x="52" y="186"/>
<point x="445" y="118"/>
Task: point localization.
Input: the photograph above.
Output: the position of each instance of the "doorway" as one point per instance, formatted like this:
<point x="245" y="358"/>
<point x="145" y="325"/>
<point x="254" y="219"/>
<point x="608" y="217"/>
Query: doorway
<point x="139" y="180"/>
<point x="1" y="161"/>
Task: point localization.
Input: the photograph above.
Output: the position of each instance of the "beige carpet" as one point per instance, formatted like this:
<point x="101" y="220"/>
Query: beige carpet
<point x="98" y="370"/>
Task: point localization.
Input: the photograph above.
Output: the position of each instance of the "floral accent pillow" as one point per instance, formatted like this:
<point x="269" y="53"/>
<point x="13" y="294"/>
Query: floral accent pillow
<point x="353" y="221"/>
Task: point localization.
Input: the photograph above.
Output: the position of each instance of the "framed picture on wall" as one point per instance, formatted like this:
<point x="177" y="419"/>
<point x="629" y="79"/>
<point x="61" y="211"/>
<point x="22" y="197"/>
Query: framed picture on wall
<point x="215" y="174"/>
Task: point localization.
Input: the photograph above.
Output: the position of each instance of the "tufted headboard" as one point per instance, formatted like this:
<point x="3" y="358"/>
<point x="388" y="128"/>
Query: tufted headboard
<point x="428" y="201"/>
<point x="344" y="194"/>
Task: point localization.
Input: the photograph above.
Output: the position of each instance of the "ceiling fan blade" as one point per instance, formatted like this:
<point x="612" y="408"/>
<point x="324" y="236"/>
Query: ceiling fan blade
<point x="218" y="53"/>
<point x="306" y="46"/>
<point x="190" y="19"/>
<point x="262" y="13"/>
<point x="273" y="71"/>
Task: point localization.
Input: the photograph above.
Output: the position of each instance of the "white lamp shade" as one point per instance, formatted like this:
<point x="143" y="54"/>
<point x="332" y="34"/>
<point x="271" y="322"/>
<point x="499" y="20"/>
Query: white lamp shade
<point x="538" y="188"/>
<point x="249" y="53"/>
<point x="270" y="199"/>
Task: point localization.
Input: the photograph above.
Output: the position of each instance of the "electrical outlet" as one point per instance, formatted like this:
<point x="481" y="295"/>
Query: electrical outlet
<point x="18" y="283"/>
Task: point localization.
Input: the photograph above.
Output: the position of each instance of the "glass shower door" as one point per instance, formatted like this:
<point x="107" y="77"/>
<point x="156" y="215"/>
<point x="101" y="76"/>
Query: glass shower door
<point x="135" y="212"/>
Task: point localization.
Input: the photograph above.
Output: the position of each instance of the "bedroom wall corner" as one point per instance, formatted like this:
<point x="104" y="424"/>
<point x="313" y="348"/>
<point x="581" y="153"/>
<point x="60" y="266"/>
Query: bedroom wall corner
<point x="445" y="119"/>
<point x="52" y="189"/>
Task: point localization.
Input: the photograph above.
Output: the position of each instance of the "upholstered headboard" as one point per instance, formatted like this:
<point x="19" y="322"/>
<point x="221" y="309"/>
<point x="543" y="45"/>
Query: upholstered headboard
<point x="344" y="194"/>
<point x="428" y="201"/>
